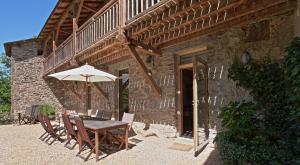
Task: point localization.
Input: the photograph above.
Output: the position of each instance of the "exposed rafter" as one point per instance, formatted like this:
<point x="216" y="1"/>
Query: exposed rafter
<point x="79" y="9"/>
<point x="88" y="8"/>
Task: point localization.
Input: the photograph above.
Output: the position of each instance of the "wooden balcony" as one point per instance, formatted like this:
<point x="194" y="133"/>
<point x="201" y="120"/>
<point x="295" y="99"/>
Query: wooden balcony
<point x="152" y="24"/>
<point x="104" y="25"/>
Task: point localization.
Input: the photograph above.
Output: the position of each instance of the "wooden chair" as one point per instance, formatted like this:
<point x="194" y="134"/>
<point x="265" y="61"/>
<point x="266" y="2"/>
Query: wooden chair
<point x="119" y="134"/>
<point x="35" y="112"/>
<point x="53" y="132"/>
<point x="99" y="114"/>
<point x="71" y="133"/>
<point x="30" y="116"/>
<point x="42" y="121"/>
<point x="85" y="138"/>
<point x="106" y="115"/>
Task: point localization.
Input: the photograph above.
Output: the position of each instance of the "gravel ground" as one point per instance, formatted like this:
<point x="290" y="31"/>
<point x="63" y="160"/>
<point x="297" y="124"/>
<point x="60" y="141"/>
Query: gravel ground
<point x="20" y="145"/>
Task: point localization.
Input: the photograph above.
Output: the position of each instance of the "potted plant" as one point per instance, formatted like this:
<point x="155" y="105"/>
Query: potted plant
<point x="48" y="110"/>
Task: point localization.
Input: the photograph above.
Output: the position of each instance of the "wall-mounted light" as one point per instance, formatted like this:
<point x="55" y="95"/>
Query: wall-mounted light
<point x="149" y="59"/>
<point x="245" y="57"/>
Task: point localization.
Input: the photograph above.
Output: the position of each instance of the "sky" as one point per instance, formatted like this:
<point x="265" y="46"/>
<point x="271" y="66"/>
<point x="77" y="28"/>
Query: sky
<point x="23" y="19"/>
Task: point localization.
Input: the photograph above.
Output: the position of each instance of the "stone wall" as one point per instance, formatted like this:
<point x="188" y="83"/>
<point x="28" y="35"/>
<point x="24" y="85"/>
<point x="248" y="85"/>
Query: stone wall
<point x="266" y="38"/>
<point x="28" y="86"/>
<point x="260" y="39"/>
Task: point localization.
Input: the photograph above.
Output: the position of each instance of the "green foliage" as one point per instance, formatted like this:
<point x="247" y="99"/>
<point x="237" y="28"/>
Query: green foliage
<point x="5" y="64"/>
<point x="267" y="130"/>
<point x="5" y="88"/>
<point x="47" y="109"/>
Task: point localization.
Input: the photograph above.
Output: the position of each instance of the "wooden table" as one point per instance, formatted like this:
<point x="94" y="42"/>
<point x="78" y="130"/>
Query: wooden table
<point x="98" y="126"/>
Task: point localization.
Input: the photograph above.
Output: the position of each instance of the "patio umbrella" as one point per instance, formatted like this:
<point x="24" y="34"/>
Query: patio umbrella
<point x="85" y="73"/>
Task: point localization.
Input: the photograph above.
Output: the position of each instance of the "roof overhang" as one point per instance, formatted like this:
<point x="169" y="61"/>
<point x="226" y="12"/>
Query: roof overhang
<point x="90" y="7"/>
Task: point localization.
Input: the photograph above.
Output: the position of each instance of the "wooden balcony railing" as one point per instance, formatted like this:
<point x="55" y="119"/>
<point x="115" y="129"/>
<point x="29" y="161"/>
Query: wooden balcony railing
<point x="102" y="23"/>
<point x="105" y="22"/>
<point x="136" y="7"/>
<point x="63" y="53"/>
<point x="49" y="63"/>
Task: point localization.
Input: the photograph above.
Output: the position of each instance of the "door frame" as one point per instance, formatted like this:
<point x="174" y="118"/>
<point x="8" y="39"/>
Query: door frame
<point x="179" y="97"/>
<point x="198" y="146"/>
<point x="120" y="71"/>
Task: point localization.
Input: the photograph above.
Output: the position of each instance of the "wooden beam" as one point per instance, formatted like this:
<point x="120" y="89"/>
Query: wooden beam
<point x="145" y="71"/>
<point x="63" y="17"/>
<point x="73" y="91"/>
<point x="255" y="12"/>
<point x="65" y="32"/>
<point x="79" y="9"/>
<point x="100" y="90"/>
<point x="146" y="47"/>
<point x="99" y="51"/>
<point x="192" y="50"/>
<point x="146" y="52"/>
<point x="89" y="9"/>
<point x="46" y="44"/>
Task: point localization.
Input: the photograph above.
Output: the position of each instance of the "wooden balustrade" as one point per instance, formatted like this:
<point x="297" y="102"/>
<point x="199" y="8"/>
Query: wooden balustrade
<point x="64" y="51"/>
<point x="49" y="63"/>
<point x="98" y="27"/>
<point x="105" y="22"/>
<point x="135" y="7"/>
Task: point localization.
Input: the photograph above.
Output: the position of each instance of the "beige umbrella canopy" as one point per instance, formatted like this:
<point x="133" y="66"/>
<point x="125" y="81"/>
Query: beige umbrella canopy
<point x="85" y="73"/>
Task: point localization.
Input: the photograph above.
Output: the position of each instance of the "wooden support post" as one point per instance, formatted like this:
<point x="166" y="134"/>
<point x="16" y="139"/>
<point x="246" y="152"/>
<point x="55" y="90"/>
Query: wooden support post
<point x="80" y="5"/>
<point x="75" y="28"/>
<point x="54" y="48"/>
<point x="73" y="91"/>
<point x="122" y="11"/>
<point x="100" y="90"/>
<point x="145" y="71"/>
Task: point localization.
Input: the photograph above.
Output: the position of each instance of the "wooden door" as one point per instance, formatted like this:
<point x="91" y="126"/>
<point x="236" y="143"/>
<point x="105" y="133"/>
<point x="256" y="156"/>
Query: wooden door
<point x="200" y="104"/>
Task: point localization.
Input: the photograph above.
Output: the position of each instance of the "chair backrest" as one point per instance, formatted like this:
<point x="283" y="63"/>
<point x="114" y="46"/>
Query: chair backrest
<point x="82" y="131"/>
<point x="106" y="115"/>
<point x="99" y="114"/>
<point x="42" y="121"/>
<point x="48" y="124"/>
<point x="94" y="113"/>
<point x="128" y="118"/>
<point x="34" y="111"/>
<point x="68" y="125"/>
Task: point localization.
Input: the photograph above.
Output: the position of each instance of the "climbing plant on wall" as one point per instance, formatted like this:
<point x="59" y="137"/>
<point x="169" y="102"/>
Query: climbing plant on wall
<point x="266" y="130"/>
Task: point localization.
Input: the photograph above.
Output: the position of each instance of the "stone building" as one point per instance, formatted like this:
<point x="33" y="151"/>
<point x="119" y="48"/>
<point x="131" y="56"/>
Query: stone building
<point x="255" y="30"/>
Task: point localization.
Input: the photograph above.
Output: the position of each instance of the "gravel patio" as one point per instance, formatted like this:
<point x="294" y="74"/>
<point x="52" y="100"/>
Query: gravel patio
<point x="20" y="145"/>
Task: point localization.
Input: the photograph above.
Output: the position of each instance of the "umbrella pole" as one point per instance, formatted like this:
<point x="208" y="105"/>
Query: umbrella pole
<point x="87" y="90"/>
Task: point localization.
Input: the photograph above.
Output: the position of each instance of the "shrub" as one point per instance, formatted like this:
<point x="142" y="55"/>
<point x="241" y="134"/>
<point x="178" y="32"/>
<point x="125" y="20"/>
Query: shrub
<point x="47" y="109"/>
<point x="266" y="130"/>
